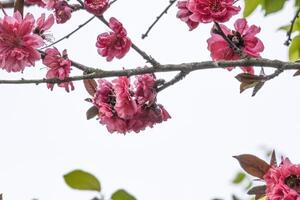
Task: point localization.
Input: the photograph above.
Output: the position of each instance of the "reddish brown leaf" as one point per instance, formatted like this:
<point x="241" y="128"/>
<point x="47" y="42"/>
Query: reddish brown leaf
<point x="257" y="190"/>
<point x="257" y="87"/>
<point x="248" y="78"/>
<point x="297" y="73"/>
<point x="90" y="86"/>
<point x="253" y="165"/>
<point x="19" y="6"/>
<point x="92" y="112"/>
<point x="1" y="198"/>
<point x="273" y="161"/>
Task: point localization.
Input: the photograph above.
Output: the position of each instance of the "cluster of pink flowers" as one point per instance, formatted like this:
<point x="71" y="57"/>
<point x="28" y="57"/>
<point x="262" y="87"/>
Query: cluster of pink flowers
<point x="18" y="43"/>
<point x="59" y="66"/>
<point x="283" y="182"/>
<point x="194" y="12"/>
<point x="124" y="108"/>
<point x="244" y="37"/>
<point x="115" y="43"/>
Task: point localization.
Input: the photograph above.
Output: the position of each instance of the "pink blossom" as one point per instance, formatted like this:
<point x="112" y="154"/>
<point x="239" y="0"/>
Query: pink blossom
<point x="113" y="44"/>
<point x="58" y="67"/>
<point x="184" y="14"/>
<point x="121" y="107"/>
<point x="44" y="25"/>
<point x="283" y="182"/>
<point x="206" y="11"/>
<point x="62" y="11"/>
<point x="96" y="7"/>
<point x="125" y="105"/>
<point x="17" y="42"/>
<point x="40" y="3"/>
<point x="244" y="37"/>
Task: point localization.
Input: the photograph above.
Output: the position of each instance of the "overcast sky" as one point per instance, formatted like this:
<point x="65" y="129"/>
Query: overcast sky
<point x="45" y="134"/>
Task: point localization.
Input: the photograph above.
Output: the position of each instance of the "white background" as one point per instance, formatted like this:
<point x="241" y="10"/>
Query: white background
<point x="44" y="134"/>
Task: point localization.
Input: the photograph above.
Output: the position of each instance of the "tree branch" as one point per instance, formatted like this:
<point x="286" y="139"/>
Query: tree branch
<point x="183" y="68"/>
<point x="176" y="79"/>
<point x="71" y="33"/>
<point x="158" y="18"/>
<point x="289" y="33"/>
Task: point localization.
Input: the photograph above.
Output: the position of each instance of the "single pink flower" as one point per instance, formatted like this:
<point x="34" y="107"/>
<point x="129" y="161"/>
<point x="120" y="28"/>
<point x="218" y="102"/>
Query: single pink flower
<point x="244" y="37"/>
<point x="17" y="42"/>
<point x="145" y="89"/>
<point x="43" y="25"/>
<point x="113" y="44"/>
<point x="59" y="66"/>
<point x="206" y="11"/>
<point x="184" y="15"/>
<point x="62" y="11"/>
<point x="96" y="7"/>
<point x="283" y="182"/>
<point x="40" y="3"/>
<point x="125" y="106"/>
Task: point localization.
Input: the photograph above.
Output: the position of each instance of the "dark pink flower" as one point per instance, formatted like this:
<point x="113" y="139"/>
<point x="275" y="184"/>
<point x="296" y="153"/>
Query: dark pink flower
<point x="62" y="11"/>
<point x="40" y="3"/>
<point x="96" y="7"/>
<point x="44" y="25"/>
<point x="244" y="37"/>
<point x="184" y="14"/>
<point x="125" y="105"/>
<point x="124" y="109"/>
<point x="59" y="66"/>
<point x="206" y="11"/>
<point x="283" y="182"/>
<point x="17" y="42"/>
<point x="113" y="44"/>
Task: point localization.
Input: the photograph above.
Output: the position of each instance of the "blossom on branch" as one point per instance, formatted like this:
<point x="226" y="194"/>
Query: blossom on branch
<point x="283" y="182"/>
<point x="18" y="43"/>
<point x="194" y="12"/>
<point x="59" y="66"/>
<point x="113" y="44"/>
<point x="44" y="25"/>
<point x="244" y="37"/>
<point x="96" y="7"/>
<point x="124" y="108"/>
<point x="62" y="11"/>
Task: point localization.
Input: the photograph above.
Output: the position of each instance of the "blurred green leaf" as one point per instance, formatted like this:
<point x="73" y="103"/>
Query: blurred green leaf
<point x="294" y="50"/>
<point x="122" y="195"/>
<point x="296" y="26"/>
<point x="297" y="2"/>
<point x="239" y="177"/>
<point x="271" y="6"/>
<point x="250" y="6"/>
<point x="82" y="180"/>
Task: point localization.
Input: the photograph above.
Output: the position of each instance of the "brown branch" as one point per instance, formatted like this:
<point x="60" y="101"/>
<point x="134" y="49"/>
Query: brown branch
<point x="184" y="67"/>
<point x="70" y="34"/>
<point x="158" y="18"/>
<point x="176" y="79"/>
<point x="10" y="4"/>
<point x="289" y="33"/>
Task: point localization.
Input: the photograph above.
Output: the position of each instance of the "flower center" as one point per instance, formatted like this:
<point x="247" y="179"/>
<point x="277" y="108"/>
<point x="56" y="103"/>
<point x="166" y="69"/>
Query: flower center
<point x="293" y="182"/>
<point x="237" y="39"/>
<point x="214" y="5"/>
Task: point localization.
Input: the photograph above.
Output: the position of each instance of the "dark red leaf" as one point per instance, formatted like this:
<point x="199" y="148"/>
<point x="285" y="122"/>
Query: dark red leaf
<point x="273" y="161"/>
<point x="90" y="86"/>
<point x="92" y="112"/>
<point x="297" y="73"/>
<point x="253" y="165"/>
<point x="248" y="78"/>
<point x="257" y="190"/>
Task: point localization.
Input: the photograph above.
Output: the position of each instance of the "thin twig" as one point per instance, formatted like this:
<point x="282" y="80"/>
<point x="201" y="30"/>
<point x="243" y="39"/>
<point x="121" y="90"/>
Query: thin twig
<point x="71" y="33"/>
<point x="176" y="79"/>
<point x="289" y="33"/>
<point x="230" y="43"/>
<point x="171" y="2"/>
<point x="185" y="67"/>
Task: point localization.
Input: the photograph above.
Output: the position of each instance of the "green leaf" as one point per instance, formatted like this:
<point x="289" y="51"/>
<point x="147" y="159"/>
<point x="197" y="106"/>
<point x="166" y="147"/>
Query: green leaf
<point x="297" y="2"/>
<point x="271" y="6"/>
<point x="250" y="6"/>
<point x="239" y="178"/>
<point x="294" y="50"/>
<point x="122" y="195"/>
<point x="82" y="180"/>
